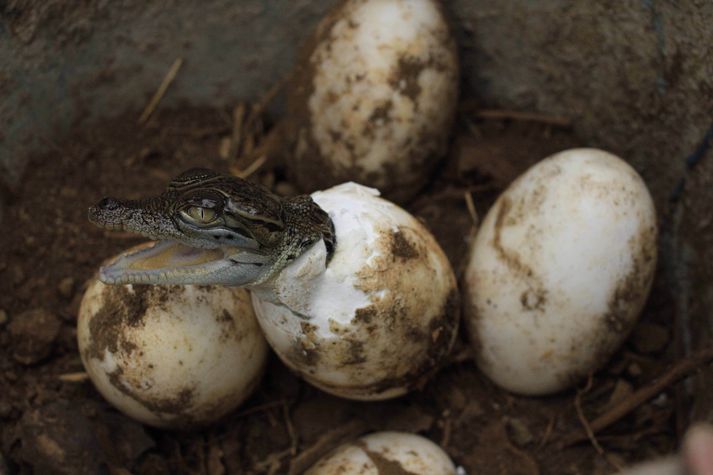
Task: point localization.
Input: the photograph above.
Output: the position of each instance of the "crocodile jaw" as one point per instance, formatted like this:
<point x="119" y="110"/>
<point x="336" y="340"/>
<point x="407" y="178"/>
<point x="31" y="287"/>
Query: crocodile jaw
<point x="172" y="263"/>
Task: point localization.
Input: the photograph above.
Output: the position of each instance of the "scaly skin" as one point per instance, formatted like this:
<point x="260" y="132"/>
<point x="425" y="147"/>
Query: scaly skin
<point x="213" y="229"/>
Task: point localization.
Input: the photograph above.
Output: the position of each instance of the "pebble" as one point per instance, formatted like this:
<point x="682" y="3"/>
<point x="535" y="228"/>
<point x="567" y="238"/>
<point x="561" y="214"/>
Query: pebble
<point x="18" y="275"/>
<point x="77" y="437"/>
<point x="650" y="338"/>
<point x="457" y="400"/>
<point x="68" y="192"/>
<point x="66" y="287"/>
<point x="33" y="333"/>
<point x="5" y="411"/>
<point x="634" y="369"/>
<point x="519" y="432"/>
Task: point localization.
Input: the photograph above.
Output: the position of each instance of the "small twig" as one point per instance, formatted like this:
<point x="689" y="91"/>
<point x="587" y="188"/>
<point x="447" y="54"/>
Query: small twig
<point x="236" y="135"/>
<point x="324" y="444"/>
<point x="583" y="418"/>
<point x="534" y="468"/>
<point x="272" y="463"/>
<point x="548" y="431"/>
<point x="677" y="372"/>
<point x="158" y="95"/>
<point x="460" y="355"/>
<point x="266" y="99"/>
<point x="631" y="440"/>
<point x="473" y="129"/>
<point x="587" y="427"/>
<point x="78" y="377"/>
<point x="260" y="408"/>
<point x="524" y="117"/>
<point x="471" y="209"/>
<point x="254" y="166"/>
<point x="294" y="441"/>
<point x="446" y="436"/>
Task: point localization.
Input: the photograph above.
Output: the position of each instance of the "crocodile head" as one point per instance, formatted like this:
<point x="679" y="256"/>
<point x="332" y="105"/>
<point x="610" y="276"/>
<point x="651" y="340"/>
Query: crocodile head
<point x="209" y="229"/>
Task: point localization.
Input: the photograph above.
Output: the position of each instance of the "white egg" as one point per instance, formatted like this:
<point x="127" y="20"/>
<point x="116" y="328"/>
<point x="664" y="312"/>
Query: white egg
<point x="380" y="317"/>
<point x="386" y="452"/>
<point x="171" y="356"/>
<point x="560" y="270"/>
<point x="374" y="97"/>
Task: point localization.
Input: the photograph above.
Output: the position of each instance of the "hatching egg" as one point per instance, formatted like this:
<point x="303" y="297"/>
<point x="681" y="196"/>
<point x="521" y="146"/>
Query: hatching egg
<point x="379" y="317"/>
<point x="559" y="271"/>
<point x="373" y="97"/>
<point x="171" y="356"/>
<point x="386" y="452"/>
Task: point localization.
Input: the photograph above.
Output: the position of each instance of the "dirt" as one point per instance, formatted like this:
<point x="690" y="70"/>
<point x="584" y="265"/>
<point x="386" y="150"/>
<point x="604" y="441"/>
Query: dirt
<point x="54" y="422"/>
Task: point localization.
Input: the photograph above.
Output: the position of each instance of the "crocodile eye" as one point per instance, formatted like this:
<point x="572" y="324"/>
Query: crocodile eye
<point x="200" y="215"/>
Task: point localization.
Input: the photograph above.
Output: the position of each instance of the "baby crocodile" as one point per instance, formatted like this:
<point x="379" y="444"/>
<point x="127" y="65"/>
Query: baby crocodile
<point x="212" y="229"/>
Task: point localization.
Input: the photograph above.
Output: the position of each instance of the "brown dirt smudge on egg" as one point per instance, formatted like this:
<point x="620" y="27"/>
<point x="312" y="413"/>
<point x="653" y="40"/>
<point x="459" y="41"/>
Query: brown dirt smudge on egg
<point x="232" y="325"/>
<point x="355" y="354"/>
<point x="535" y="298"/>
<point x="405" y="77"/>
<point x="383" y="465"/>
<point x="635" y="285"/>
<point x="365" y="314"/>
<point x="380" y="113"/>
<point x="176" y="406"/>
<point x="622" y="309"/>
<point x="401" y="246"/>
<point x="227" y="327"/>
<point x="123" y="309"/>
<point x="304" y="351"/>
<point x="106" y="327"/>
<point x="437" y="341"/>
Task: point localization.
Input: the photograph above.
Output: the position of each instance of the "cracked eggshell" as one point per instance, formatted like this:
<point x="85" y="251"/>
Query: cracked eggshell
<point x="383" y="314"/>
<point x="559" y="271"/>
<point x="386" y="452"/>
<point x="373" y="97"/>
<point x="171" y="356"/>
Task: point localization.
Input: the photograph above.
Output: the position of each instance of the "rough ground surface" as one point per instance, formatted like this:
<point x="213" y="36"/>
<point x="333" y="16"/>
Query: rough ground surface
<point x="51" y="421"/>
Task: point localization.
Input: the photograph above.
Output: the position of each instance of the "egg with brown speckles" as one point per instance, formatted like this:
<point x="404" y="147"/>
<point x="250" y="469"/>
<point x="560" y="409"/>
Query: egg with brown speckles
<point x="559" y="271"/>
<point x="171" y="356"/>
<point x="379" y="317"/>
<point x="386" y="452"/>
<point x="373" y="97"/>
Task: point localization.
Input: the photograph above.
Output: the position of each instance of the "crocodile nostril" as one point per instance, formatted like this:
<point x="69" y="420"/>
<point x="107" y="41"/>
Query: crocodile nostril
<point x="108" y="204"/>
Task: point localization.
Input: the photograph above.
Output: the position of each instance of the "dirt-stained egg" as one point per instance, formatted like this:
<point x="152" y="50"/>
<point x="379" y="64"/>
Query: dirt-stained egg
<point x="373" y="97"/>
<point x="386" y="452"/>
<point x="171" y="356"/>
<point x="383" y="313"/>
<point x="559" y="271"/>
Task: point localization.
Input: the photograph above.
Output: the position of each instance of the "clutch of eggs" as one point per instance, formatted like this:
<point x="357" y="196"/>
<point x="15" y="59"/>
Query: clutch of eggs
<point x="383" y="314"/>
<point x="171" y="356"/>
<point x="559" y="271"/>
<point x="373" y="97"/>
